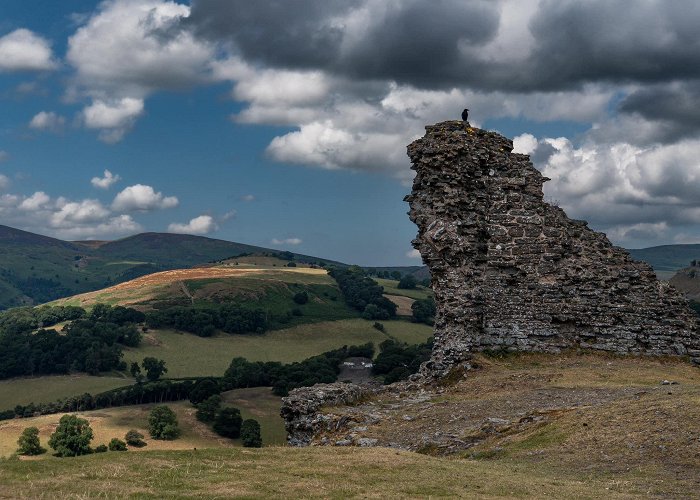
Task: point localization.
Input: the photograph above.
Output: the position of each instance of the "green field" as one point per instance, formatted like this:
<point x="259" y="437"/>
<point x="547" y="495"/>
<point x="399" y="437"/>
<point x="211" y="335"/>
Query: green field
<point x="280" y="472"/>
<point x="22" y="391"/>
<point x="187" y="355"/>
<point x="392" y="288"/>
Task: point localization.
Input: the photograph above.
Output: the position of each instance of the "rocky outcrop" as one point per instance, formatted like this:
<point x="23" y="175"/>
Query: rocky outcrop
<point x="303" y="415"/>
<point x="511" y="271"/>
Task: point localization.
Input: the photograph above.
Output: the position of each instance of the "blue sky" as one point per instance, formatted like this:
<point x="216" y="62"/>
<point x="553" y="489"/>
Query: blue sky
<point x="285" y="124"/>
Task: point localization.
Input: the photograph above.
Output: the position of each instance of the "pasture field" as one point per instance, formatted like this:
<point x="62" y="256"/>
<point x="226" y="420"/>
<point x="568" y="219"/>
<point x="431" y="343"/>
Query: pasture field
<point x="22" y="391"/>
<point x="187" y="355"/>
<point x="391" y="287"/>
<point x="258" y="403"/>
<point x="315" y="472"/>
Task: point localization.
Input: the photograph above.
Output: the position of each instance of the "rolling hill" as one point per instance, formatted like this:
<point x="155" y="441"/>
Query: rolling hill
<point x="36" y="269"/>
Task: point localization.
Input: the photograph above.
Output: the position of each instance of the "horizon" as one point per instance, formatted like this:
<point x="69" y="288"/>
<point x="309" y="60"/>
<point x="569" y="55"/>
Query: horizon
<point x="130" y="116"/>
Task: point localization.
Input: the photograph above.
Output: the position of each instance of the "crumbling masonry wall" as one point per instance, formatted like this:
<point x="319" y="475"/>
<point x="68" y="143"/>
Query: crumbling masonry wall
<point x="511" y="271"/>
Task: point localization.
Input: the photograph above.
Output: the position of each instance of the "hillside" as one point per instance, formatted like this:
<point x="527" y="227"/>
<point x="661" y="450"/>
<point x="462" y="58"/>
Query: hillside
<point x="36" y="269"/>
<point x="524" y="426"/>
<point x="667" y="257"/>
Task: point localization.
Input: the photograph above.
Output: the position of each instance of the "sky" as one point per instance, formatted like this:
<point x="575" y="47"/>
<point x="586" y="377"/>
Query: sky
<point x="285" y="123"/>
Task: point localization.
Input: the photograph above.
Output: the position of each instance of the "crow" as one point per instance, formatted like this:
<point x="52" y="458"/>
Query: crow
<point x="465" y="115"/>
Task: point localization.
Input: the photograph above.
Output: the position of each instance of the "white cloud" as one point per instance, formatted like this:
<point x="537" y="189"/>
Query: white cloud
<point x="114" y="117"/>
<point x="127" y="50"/>
<point x="4" y="181"/>
<point x="413" y="254"/>
<point x="71" y="213"/>
<point x="203" y="224"/>
<point x="23" y="50"/>
<point x="47" y="121"/>
<point x="106" y="181"/>
<point x="248" y="197"/>
<point x="524" y="144"/>
<point x="35" y="202"/>
<point x="286" y="241"/>
<point x="3" y="156"/>
<point x="231" y="214"/>
<point x="143" y="199"/>
<point x="64" y="218"/>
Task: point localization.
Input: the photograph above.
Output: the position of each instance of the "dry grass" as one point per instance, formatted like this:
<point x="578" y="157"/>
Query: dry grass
<point x="151" y="285"/>
<point x="403" y="304"/>
<point x="294" y="473"/>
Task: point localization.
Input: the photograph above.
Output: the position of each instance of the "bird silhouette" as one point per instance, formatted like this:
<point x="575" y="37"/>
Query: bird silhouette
<point x="465" y="115"/>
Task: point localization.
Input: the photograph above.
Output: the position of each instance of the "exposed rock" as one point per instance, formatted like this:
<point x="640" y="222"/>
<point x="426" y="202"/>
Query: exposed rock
<point x="510" y="271"/>
<point x="301" y="410"/>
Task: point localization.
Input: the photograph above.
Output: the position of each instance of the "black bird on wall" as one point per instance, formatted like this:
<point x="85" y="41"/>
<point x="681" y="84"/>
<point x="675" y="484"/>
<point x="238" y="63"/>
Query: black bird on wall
<point x="465" y="115"/>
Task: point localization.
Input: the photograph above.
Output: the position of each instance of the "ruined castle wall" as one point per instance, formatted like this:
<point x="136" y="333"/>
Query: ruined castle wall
<point x="511" y="271"/>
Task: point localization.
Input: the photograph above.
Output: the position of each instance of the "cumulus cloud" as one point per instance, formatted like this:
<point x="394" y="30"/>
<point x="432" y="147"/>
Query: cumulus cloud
<point x="202" y="224"/>
<point x="47" y="120"/>
<point x="126" y="50"/>
<point x="413" y="254"/>
<point x="113" y="117"/>
<point x="23" y="50"/>
<point x="286" y="241"/>
<point x="106" y="181"/>
<point x="142" y="198"/>
<point x="64" y="218"/>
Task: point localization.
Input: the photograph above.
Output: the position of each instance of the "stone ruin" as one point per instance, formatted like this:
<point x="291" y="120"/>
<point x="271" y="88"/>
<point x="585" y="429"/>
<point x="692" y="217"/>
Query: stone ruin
<point x="510" y="271"/>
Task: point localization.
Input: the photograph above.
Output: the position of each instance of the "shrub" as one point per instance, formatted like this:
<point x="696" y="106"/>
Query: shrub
<point x="408" y="282"/>
<point x="228" y="423"/>
<point x="379" y="326"/>
<point x="134" y="438"/>
<point x="301" y="298"/>
<point x="101" y="448"/>
<point x="28" y="442"/>
<point x="250" y="434"/>
<point x="72" y="437"/>
<point x="162" y="423"/>
<point x="117" y="444"/>
<point x="207" y="409"/>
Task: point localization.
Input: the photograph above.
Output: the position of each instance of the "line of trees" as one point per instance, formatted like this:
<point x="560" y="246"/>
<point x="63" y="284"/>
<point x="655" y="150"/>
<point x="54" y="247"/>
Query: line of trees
<point x="230" y="318"/>
<point x="363" y="293"/>
<point x="397" y="361"/>
<point x="89" y="343"/>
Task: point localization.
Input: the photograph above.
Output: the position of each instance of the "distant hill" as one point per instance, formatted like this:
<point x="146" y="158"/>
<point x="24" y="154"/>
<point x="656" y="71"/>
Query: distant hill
<point x="36" y="269"/>
<point x="667" y="257"/>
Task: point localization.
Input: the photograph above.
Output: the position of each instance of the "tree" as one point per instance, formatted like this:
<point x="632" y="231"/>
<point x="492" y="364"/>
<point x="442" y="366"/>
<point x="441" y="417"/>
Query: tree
<point x="28" y="442"/>
<point x="101" y="448"/>
<point x="408" y="282"/>
<point x="228" y="423"/>
<point x="134" y="438"/>
<point x="301" y="298"/>
<point x="396" y="275"/>
<point x="72" y="437"/>
<point x="250" y="433"/>
<point x="424" y="311"/>
<point x="135" y="371"/>
<point x="154" y="368"/>
<point x="162" y="423"/>
<point x="204" y="389"/>
<point x="207" y="409"/>
<point x="117" y="444"/>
